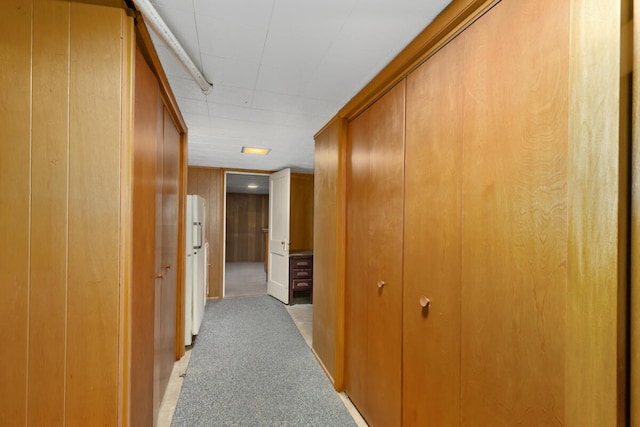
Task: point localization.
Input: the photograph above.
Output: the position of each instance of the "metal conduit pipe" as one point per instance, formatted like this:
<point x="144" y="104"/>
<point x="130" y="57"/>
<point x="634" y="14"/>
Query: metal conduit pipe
<point x="152" y="17"/>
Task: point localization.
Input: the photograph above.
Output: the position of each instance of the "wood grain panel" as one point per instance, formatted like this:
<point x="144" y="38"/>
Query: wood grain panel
<point x="169" y="287"/>
<point x="325" y="241"/>
<point x="432" y="240"/>
<point x="592" y="293"/>
<point x="15" y="116"/>
<point x="634" y="378"/>
<point x="358" y="272"/>
<point x="50" y="149"/>
<point x="208" y="183"/>
<point x="146" y="140"/>
<point x="514" y="219"/>
<point x="247" y="215"/>
<point x="94" y="209"/>
<point x="301" y="222"/>
<point x="374" y="253"/>
<point x="126" y="220"/>
<point x="159" y="228"/>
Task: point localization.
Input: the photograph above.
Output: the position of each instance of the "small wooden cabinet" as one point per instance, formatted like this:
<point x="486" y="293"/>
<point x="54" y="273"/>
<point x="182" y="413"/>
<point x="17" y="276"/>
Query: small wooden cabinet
<point x="301" y="274"/>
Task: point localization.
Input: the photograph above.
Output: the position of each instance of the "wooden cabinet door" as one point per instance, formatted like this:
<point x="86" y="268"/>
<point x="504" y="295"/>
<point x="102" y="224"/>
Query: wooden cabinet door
<point x="431" y="345"/>
<point x="374" y="259"/>
<point x="514" y="222"/>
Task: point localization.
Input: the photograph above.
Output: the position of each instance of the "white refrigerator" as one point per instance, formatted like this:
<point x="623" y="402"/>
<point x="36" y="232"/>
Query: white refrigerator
<point x="196" y="267"/>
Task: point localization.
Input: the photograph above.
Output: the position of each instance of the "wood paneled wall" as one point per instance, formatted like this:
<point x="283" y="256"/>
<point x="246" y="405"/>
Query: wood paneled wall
<point x="582" y="253"/>
<point x="208" y="183"/>
<point x="301" y="212"/>
<point x="61" y="162"/>
<point x="328" y="257"/>
<point x="247" y="215"/>
<point x="634" y="378"/>
<point x="593" y="205"/>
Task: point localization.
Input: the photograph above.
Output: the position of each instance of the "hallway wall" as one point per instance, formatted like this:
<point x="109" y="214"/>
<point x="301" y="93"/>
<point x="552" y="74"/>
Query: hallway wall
<point x="207" y="182"/>
<point x="247" y="215"/>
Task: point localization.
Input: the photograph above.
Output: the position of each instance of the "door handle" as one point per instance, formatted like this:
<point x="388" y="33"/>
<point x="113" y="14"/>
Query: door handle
<point x="167" y="266"/>
<point x="425" y="302"/>
<point x="159" y="276"/>
<point x="381" y="283"/>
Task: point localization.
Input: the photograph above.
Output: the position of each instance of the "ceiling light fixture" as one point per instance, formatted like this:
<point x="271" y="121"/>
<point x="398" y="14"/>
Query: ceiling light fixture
<point x="156" y="22"/>
<point x="253" y="150"/>
<point x="252" y="186"/>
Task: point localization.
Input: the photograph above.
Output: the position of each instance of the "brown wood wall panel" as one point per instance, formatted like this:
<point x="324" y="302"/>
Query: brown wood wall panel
<point x="15" y="25"/>
<point x="514" y="221"/>
<point x="94" y="209"/>
<point x="592" y="292"/>
<point x="48" y="262"/>
<point x="432" y="241"/>
<point x="374" y="253"/>
<point x="325" y="240"/>
<point x="634" y="362"/>
<point x="301" y="212"/>
<point x="146" y="141"/>
<point x="247" y="215"/>
<point x="66" y="179"/>
<point x="207" y="182"/>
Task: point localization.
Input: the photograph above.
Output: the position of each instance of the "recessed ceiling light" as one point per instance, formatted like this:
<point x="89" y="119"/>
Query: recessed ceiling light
<point x="253" y="150"/>
<point x="252" y="186"/>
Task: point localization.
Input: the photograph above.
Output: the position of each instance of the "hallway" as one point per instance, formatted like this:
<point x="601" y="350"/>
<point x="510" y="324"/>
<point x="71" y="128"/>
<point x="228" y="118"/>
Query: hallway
<point x="301" y="313"/>
<point x="245" y="279"/>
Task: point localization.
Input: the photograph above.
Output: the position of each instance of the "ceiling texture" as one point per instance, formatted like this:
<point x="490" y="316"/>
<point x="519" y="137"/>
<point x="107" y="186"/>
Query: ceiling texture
<point x="280" y="69"/>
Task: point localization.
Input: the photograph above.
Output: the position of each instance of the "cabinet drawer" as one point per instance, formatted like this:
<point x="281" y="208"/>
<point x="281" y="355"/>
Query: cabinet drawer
<point x="301" y="263"/>
<point x="301" y="274"/>
<point x="300" y="284"/>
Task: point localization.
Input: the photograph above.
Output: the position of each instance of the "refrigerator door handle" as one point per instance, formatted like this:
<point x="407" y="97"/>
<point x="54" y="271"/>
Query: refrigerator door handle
<point x="198" y="242"/>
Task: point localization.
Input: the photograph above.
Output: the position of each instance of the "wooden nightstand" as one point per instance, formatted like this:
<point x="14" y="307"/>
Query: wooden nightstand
<point x="301" y="274"/>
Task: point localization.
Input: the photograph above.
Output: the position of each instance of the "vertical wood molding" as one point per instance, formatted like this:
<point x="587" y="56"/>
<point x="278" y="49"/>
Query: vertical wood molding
<point x="592" y="309"/>
<point x="635" y="226"/>
<point x="126" y="220"/>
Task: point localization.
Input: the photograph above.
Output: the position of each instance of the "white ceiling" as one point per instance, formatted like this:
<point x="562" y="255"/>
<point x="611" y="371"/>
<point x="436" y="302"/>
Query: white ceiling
<point x="280" y="69"/>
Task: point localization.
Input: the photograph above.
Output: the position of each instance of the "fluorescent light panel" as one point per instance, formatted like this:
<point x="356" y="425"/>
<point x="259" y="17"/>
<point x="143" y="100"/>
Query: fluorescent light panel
<point x="254" y="150"/>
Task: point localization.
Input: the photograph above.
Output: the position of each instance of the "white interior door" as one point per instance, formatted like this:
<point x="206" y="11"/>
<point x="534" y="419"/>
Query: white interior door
<point x="279" y="196"/>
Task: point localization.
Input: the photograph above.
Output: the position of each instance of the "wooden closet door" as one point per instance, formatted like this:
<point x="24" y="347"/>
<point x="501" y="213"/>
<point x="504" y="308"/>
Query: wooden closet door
<point x="169" y="267"/>
<point x="374" y="254"/>
<point x="145" y="146"/>
<point x="431" y="345"/>
<point x="514" y="223"/>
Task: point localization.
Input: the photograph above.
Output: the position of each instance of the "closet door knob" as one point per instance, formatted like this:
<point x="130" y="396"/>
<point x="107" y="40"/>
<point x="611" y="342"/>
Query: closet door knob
<point x="425" y="302"/>
<point x="381" y="283"/>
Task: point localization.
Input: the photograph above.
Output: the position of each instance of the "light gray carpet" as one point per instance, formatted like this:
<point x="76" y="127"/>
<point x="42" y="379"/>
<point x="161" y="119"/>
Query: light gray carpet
<point x="244" y="279"/>
<point x="251" y="367"/>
